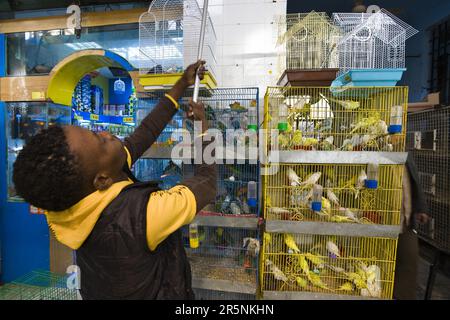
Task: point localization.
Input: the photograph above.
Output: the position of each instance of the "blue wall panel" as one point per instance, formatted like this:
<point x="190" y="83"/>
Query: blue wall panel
<point x="24" y="238"/>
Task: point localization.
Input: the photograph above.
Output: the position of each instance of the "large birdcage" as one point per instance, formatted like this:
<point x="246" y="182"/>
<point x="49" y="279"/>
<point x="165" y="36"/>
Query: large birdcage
<point x="39" y="285"/>
<point x="233" y="112"/>
<point x="169" y="37"/>
<point x="166" y="172"/>
<point x="305" y="266"/>
<point x="354" y="193"/>
<point x="359" y="119"/>
<point x="372" y="40"/>
<point x="226" y="257"/>
<point x="307" y="41"/>
<point x="428" y="140"/>
<point x="233" y="196"/>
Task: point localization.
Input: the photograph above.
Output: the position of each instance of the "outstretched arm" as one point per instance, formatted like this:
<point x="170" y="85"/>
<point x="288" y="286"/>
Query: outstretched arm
<point x="155" y="122"/>
<point x="169" y="210"/>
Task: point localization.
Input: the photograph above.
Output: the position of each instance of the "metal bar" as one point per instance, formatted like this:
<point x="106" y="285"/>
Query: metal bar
<point x="339" y="229"/>
<point x="338" y="157"/>
<point x="432" y="274"/>
<point x="227" y="221"/>
<point x="200" y="47"/>
<point x="292" y="295"/>
<point x="223" y="285"/>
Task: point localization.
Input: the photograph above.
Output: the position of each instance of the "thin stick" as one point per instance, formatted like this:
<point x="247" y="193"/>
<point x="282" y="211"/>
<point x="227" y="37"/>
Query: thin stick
<point x="200" y="47"/>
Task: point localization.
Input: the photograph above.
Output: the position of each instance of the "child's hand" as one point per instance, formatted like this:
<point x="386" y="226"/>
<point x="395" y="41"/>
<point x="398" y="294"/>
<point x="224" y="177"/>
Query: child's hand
<point x="196" y="112"/>
<point x="189" y="74"/>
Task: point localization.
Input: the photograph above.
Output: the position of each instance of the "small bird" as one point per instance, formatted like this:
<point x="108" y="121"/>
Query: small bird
<point x="333" y="249"/>
<point x="362" y="177"/>
<point x="311" y="179"/>
<point x="293" y="177"/>
<point x="335" y="269"/>
<point x="235" y="208"/>
<point x="347" y="286"/>
<point x="350" y="215"/>
<point x="332" y="197"/>
<point x="279" y="275"/>
<point x="346" y="104"/>
<point x="314" y="259"/>
<point x="297" y="138"/>
<point x="283" y="141"/>
<point x="303" y="264"/>
<point x="317" y="281"/>
<point x="327" y="144"/>
<point x="302" y="283"/>
<point x="290" y="242"/>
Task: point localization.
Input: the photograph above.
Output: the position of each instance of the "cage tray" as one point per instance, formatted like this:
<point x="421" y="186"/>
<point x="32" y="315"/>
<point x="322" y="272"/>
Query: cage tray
<point x="369" y="78"/>
<point x="305" y="77"/>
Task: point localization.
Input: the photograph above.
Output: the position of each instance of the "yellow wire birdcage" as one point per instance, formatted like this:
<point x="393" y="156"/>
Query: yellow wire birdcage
<point x="340" y="193"/>
<point x="328" y="265"/>
<point x="336" y="119"/>
<point x="307" y="41"/>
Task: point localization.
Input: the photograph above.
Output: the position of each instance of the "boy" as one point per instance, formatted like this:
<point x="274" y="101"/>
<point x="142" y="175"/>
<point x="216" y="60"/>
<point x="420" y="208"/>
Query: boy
<point x="125" y="233"/>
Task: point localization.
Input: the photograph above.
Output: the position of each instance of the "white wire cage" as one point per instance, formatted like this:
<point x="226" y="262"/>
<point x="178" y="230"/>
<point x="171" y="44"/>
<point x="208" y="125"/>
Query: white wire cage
<point x="169" y="37"/>
<point x="307" y="41"/>
<point x="372" y="40"/>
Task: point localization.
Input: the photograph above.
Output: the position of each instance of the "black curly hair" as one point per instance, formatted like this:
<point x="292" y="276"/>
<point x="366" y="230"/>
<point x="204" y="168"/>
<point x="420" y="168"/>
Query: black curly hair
<point x="46" y="173"/>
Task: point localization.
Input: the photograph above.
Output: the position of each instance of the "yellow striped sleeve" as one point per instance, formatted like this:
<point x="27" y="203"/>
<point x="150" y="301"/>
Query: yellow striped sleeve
<point x="167" y="211"/>
<point x="168" y="96"/>
<point x="128" y="157"/>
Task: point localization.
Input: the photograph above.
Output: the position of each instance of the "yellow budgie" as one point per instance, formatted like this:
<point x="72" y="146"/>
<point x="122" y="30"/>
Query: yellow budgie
<point x="317" y="281"/>
<point x="316" y="260"/>
<point x="290" y="242"/>
<point x="348" y="286"/>
<point x="302" y="283"/>
<point x="303" y="265"/>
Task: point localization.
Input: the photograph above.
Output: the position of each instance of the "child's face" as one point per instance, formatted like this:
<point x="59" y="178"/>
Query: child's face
<point x="102" y="155"/>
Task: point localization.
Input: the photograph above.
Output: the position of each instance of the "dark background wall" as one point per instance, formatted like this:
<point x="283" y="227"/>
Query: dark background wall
<point x="421" y="14"/>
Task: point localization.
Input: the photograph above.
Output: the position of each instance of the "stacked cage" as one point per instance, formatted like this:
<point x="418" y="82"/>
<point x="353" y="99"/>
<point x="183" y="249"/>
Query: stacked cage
<point x="222" y="243"/>
<point x="169" y="38"/>
<point x="40" y="285"/>
<point x="332" y="191"/>
<point x="306" y="48"/>
<point x="307" y="41"/>
<point x="372" y="48"/>
<point x="428" y="141"/>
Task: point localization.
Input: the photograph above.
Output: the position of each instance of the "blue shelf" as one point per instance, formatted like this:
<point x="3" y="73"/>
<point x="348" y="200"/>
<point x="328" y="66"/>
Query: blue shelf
<point x="87" y="116"/>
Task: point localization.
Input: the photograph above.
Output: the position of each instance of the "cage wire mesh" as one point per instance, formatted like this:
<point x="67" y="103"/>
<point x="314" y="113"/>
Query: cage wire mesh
<point x="359" y="119"/>
<point x="39" y="285"/>
<point x="232" y="188"/>
<point x="307" y="41"/>
<point x="428" y="140"/>
<point x="169" y="37"/>
<point x="167" y="172"/>
<point x="226" y="108"/>
<point x="224" y="253"/>
<point x="205" y="294"/>
<point x="328" y="264"/>
<point x="343" y="196"/>
<point x="372" y="40"/>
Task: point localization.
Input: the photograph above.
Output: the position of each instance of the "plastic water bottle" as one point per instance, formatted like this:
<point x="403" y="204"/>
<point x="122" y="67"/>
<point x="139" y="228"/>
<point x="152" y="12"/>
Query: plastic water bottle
<point x="396" y="121"/>
<point x="252" y="196"/>
<point x="372" y="176"/>
<point x="282" y="117"/>
<point x="316" y="204"/>
<point x="193" y="236"/>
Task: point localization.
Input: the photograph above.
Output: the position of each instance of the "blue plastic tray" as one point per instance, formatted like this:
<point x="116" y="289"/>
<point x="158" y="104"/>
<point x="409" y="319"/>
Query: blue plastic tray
<point x="367" y="78"/>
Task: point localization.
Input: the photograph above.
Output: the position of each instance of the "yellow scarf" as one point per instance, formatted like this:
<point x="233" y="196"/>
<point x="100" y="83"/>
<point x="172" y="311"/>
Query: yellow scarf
<point x="72" y="226"/>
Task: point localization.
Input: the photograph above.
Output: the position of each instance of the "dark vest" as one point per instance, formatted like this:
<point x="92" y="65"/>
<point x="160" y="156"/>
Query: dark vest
<point x="115" y="260"/>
